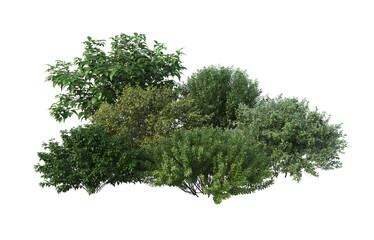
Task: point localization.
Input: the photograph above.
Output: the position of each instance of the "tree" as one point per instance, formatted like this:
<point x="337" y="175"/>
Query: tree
<point x="210" y="161"/>
<point x="218" y="91"/>
<point x="146" y="114"/>
<point x="90" y="158"/>
<point x="294" y="137"/>
<point x="99" y="77"/>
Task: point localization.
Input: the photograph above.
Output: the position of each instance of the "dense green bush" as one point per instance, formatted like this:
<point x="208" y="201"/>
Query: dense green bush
<point x="146" y="114"/>
<point x="294" y="137"/>
<point x="218" y="91"/>
<point x="210" y="161"/>
<point x="90" y="158"/>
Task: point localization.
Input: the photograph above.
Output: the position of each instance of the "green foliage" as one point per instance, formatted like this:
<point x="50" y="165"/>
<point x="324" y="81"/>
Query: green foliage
<point x="146" y="114"/>
<point x="212" y="135"/>
<point x="89" y="158"/>
<point x="294" y="137"/>
<point x="98" y="77"/>
<point x="218" y="91"/>
<point x="210" y="161"/>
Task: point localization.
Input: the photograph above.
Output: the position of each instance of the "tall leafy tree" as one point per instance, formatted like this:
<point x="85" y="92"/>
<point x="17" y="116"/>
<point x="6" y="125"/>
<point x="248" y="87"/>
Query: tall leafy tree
<point x="89" y="158"/>
<point x="218" y="91"/>
<point x="210" y="161"/>
<point x="146" y="114"/>
<point x="295" y="138"/>
<point x="99" y="77"/>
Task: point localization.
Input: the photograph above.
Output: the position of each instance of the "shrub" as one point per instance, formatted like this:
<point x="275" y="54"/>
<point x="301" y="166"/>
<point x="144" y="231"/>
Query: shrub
<point x="210" y="161"/>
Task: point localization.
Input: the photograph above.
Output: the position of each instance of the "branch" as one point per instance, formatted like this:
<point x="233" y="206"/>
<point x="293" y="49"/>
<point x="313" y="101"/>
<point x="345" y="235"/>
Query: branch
<point x="84" y="188"/>
<point x="101" y="187"/>
<point x="184" y="190"/>
<point x="191" y="188"/>
<point x="199" y="185"/>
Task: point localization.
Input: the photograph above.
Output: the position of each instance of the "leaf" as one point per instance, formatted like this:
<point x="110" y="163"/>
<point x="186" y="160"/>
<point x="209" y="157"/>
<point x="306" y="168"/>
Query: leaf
<point x="112" y="74"/>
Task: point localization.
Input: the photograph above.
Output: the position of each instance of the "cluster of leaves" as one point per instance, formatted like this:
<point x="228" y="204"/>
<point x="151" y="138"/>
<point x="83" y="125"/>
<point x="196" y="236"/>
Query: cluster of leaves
<point x="295" y="138"/>
<point x="213" y="135"/>
<point x="98" y="77"/>
<point x="146" y="114"/>
<point x="210" y="161"/>
<point x="218" y="91"/>
<point x="90" y="158"/>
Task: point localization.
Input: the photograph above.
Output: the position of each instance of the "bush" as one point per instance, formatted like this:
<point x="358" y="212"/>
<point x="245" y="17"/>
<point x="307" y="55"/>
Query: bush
<point x="210" y="161"/>
<point x="294" y="137"/>
<point x="218" y="91"/>
<point x="146" y="114"/>
<point x="89" y="158"/>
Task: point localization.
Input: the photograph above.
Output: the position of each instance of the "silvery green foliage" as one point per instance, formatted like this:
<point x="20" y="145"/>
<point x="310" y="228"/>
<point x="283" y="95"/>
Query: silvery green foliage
<point x="295" y="138"/>
<point x="218" y="91"/>
<point x="210" y="161"/>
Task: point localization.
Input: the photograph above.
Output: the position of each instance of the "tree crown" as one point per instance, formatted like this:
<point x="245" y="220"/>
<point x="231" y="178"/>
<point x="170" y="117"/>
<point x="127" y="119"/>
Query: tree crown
<point x="99" y="77"/>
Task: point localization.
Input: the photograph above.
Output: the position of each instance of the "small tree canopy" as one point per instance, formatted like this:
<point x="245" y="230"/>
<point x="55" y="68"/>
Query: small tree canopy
<point x="294" y="137"/>
<point x="89" y="158"/>
<point x="218" y="91"/>
<point x="146" y="114"/>
<point x="98" y="77"/>
<point x="210" y="161"/>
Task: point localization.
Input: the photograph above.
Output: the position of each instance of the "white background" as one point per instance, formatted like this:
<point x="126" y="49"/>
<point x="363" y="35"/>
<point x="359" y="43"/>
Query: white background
<point x="319" y="50"/>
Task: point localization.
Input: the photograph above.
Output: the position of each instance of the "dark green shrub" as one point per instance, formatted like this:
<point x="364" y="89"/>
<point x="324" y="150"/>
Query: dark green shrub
<point x="218" y="91"/>
<point x="89" y="158"/>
